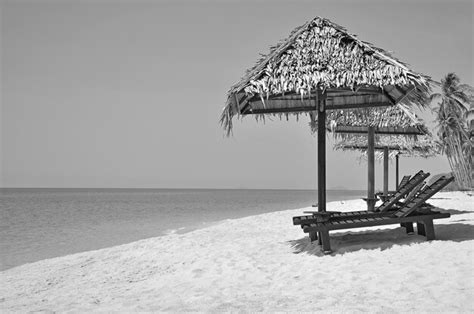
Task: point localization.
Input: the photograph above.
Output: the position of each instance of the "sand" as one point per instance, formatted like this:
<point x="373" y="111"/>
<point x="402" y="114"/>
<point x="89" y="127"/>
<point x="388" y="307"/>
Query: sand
<point x="263" y="263"/>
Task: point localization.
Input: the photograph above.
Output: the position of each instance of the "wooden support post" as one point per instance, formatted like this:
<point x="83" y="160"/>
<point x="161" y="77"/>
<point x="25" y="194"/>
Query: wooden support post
<point x="313" y="236"/>
<point x="371" y="170"/>
<point x="385" y="171"/>
<point x="322" y="153"/>
<point x="326" y="242"/>
<point x="396" y="172"/>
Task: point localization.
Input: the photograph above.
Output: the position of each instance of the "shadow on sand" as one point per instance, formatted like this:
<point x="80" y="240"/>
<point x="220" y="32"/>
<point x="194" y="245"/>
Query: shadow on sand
<point x="352" y="241"/>
<point x="453" y="211"/>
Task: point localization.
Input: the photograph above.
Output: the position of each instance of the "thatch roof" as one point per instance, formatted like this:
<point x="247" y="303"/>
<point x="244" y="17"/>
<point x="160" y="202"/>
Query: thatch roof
<point x="322" y="58"/>
<point x="421" y="146"/>
<point x="396" y="120"/>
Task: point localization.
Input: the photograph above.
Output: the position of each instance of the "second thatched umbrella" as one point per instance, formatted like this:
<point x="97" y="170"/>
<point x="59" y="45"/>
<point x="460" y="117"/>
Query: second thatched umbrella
<point x="398" y="121"/>
<point x="391" y="146"/>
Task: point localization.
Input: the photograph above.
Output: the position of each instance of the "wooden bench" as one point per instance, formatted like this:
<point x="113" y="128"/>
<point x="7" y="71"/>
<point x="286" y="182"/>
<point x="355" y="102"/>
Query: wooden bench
<point x="412" y="185"/>
<point x="424" y="225"/>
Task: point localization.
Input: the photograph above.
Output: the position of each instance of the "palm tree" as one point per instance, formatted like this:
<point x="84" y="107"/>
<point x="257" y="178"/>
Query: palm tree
<point x="455" y="101"/>
<point x="469" y="116"/>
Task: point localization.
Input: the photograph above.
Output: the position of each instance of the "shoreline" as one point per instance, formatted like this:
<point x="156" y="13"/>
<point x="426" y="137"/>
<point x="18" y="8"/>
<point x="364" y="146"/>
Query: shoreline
<point x="204" y="225"/>
<point x="46" y="224"/>
<point x="261" y="263"/>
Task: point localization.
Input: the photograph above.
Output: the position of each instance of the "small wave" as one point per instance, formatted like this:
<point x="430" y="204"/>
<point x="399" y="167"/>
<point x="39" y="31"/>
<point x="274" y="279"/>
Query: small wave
<point x="174" y="231"/>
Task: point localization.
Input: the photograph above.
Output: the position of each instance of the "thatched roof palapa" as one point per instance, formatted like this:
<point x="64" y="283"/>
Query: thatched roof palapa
<point x="422" y="146"/>
<point x="321" y="57"/>
<point x="396" y="120"/>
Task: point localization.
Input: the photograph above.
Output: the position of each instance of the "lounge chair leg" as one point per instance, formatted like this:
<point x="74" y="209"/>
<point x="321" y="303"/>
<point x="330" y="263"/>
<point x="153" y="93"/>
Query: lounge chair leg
<point x="429" y="229"/>
<point x="325" y="241"/>
<point x="409" y="227"/>
<point x="420" y="227"/>
<point x="320" y="242"/>
<point x="313" y="236"/>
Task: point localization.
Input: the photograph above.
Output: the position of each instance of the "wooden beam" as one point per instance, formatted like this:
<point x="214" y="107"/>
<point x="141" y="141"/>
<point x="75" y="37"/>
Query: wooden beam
<point x="308" y="108"/>
<point x="404" y="95"/>
<point x="373" y="220"/>
<point x="355" y="106"/>
<point x="240" y="98"/>
<point x="245" y="109"/>
<point x="244" y="102"/>
<point x="378" y="130"/>
<point x="339" y="98"/>
<point x="390" y="98"/>
<point x="294" y="103"/>
<point x="279" y="110"/>
<point x="330" y="93"/>
<point x="376" y="147"/>
<point x="372" y="100"/>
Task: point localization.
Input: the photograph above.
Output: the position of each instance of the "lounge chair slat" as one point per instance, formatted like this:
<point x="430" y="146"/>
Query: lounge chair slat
<point x="403" y="190"/>
<point x="380" y="221"/>
<point x="424" y="195"/>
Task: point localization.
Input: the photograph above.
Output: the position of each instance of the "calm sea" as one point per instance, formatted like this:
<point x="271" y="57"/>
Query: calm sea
<point x="44" y="223"/>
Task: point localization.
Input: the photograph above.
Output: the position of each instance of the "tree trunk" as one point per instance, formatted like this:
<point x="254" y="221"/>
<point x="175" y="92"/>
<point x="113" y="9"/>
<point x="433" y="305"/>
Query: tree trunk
<point x="457" y="162"/>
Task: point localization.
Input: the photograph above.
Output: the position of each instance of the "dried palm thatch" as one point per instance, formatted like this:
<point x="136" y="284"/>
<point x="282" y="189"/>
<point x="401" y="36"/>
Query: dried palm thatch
<point x="322" y="57"/>
<point x="421" y="146"/>
<point x="397" y="120"/>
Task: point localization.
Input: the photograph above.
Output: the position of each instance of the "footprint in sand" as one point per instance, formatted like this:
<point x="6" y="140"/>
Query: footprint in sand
<point x="197" y="272"/>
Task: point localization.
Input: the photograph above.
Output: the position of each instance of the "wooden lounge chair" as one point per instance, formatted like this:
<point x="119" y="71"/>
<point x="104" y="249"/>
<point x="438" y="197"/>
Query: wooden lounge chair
<point x="408" y="187"/>
<point x="325" y="216"/>
<point x="406" y="216"/>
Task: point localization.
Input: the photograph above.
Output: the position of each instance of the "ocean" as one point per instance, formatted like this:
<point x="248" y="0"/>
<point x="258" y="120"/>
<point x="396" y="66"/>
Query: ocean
<point x="37" y="224"/>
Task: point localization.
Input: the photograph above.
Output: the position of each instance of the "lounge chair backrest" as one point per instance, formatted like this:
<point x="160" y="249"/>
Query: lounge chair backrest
<point x="424" y="195"/>
<point x="414" y="192"/>
<point x="404" y="181"/>
<point x="403" y="190"/>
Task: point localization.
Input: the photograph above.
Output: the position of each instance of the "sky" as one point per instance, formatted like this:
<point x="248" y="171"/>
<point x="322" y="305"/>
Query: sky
<point x="128" y="94"/>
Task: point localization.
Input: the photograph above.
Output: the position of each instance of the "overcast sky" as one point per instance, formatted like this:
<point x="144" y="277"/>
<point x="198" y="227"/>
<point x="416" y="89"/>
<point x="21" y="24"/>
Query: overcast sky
<point x="129" y="93"/>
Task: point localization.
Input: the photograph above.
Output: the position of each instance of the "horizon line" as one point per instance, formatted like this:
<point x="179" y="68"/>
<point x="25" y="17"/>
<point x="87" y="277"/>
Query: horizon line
<point x="172" y="188"/>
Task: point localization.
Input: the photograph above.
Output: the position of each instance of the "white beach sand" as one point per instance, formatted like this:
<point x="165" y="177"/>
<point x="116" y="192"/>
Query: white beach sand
<point x="263" y="263"/>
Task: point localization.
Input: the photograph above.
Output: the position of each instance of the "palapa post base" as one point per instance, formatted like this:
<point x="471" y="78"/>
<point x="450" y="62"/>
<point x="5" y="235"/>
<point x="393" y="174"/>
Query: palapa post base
<point x="370" y="203"/>
<point x="323" y="240"/>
